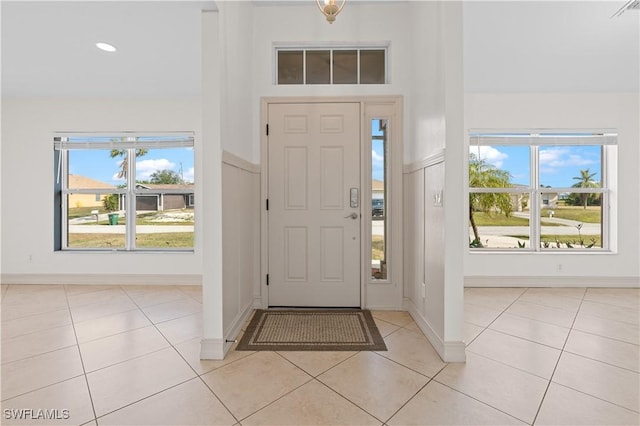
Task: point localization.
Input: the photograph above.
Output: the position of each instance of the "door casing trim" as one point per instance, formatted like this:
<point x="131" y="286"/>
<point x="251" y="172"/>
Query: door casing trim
<point x="387" y="295"/>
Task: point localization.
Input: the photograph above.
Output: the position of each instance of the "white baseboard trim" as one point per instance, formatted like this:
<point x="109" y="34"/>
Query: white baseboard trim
<point x="448" y="351"/>
<point x="557" y="281"/>
<point x="217" y="349"/>
<point x="102" y="279"/>
<point x="213" y="349"/>
<point x="236" y="327"/>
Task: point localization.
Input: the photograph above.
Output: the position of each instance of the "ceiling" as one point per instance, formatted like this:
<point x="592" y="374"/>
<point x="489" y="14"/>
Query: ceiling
<point x="48" y="47"/>
<point x="551" y="46"/>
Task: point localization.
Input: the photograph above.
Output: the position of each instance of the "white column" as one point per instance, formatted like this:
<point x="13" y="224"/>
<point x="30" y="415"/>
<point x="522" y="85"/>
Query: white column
<point x="213" y="342"/>
<point x="455" y="218"/>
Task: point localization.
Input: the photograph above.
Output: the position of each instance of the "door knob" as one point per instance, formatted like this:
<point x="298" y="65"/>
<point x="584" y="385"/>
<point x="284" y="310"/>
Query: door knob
<point x="353" y="215"/>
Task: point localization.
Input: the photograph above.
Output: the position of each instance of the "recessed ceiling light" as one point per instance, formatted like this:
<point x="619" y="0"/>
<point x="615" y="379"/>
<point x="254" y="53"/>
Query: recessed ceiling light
<point x="106" y="47"/>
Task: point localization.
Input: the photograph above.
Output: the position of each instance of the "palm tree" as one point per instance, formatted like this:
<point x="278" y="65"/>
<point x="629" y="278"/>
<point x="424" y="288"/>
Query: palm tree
<point x="585" y="180"/>
<point x="485" y="175"/>
<point x="122" y="174"/>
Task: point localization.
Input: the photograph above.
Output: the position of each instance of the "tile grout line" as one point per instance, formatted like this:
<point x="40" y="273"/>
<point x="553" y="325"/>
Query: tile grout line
<point x="413" y="396"/>
<point x="345" y="398"/>
<point x="478" y="400"/>
<point x="525" y="339"/>
<point x="466" y="345"/>
<point x="142" y="399"/>
<point x="152" y="324"/>
<point x="496" y="318"/>
<point x="84" y="370"/>
<point x="480" y="355"/>
<point x="171" y="345"/>
<point x="544" y="395"/>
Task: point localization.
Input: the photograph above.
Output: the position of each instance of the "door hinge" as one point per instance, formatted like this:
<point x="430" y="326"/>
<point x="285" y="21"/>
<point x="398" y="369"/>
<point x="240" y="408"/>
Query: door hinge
<point x="267" y="279"/>
<point x="267" y="131"/>
<point x="267" y="204"/>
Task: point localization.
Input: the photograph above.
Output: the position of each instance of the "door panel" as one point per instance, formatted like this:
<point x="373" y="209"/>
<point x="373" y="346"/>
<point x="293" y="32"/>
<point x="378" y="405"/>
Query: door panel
<point x="314" y="242"/>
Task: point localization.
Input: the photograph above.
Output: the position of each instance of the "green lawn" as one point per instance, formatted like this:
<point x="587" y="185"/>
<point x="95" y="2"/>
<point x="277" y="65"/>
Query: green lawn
<point x="157" y="240"/>
<point x="75" y="212"/>
<point x="592" y="214"/>
<point x="564" y="239"/>
<point x="377" y="247"/>
<point x="143" y="219"/>
<point x="495" y="219"/>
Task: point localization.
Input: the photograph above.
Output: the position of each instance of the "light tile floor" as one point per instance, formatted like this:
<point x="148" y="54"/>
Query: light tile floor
<point x="113" y="355"/>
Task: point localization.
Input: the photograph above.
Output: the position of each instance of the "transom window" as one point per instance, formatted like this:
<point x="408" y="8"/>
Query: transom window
<point x="539" y="191"/>
<point x="345" y="65"/>
<point x="124" y="192"/>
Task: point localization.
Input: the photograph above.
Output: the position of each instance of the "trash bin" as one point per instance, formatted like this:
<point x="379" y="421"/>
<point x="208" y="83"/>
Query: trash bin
<point x="113" y="218"/>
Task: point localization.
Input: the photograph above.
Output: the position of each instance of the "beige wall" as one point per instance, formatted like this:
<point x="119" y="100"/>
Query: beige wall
<point x="85" y="200"/>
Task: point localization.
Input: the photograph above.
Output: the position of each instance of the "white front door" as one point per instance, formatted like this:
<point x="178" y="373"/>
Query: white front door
<point x="314" y="204"/>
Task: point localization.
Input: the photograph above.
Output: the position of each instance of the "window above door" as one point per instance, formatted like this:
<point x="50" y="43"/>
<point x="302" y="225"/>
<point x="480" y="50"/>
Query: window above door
<point x="297" y="65"/>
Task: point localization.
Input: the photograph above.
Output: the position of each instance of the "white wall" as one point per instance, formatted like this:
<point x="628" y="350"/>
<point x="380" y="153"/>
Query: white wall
<point x="241" y="240"/>
<point x="432" y="194"/>
<point x="28" y="125"/>
<point x="236" y="101"/>
<point x="359" y="23"/>
<point x="570" y="111"/>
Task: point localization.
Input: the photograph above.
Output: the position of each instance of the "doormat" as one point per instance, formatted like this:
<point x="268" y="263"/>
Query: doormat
<point x="312" y="330"/>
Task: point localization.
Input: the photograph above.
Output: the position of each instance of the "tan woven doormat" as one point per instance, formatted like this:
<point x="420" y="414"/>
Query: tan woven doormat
<point x="312" y="330"/>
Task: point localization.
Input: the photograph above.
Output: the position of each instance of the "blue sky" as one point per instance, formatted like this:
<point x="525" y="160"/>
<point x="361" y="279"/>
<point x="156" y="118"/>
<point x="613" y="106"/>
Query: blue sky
<point x="377" y="152"/>
<point x="558" y="164"/>
<point x="98" y="165"/>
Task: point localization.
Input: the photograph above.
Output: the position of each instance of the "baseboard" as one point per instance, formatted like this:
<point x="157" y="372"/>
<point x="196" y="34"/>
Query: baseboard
<point x="556" y="281"/>
<point x="448" y="351"/>
<point x="240" y="320"/>
<point x="102" y="279"/>
<point x="213" y="349"/>
<point x="258" y="303"/>
<point x="217" y="349"/>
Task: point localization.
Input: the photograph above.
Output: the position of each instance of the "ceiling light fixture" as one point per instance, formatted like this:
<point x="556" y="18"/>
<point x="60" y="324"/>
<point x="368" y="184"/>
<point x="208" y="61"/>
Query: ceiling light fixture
<point x="106" y="47"/>
<point x="331" y="8"/>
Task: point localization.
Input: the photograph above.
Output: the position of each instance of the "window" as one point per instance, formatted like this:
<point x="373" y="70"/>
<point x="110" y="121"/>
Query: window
<point x="346" y="65"/>
<point x="124" y="192"/>
<point x="379" y="143"/>
<point x="539" y="191"/>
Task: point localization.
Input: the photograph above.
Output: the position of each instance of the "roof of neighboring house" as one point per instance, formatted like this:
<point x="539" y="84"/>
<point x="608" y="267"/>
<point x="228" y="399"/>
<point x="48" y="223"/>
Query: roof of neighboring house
<point x="377" y="185"/>
<point x="166" y="185"/>
<point x="77" y="181"/>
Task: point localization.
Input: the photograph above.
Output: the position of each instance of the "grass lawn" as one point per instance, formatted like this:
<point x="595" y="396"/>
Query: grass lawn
<point x="139" y="221"/>
<point x="484" y="219"/>
<point x="564" y="239"/>
<point x="592" y="214"/>
<point x="75" y="212"/>
<point x="159" y="240"/>
<point x="377" y="247"/>
<point x="142" y="219"/>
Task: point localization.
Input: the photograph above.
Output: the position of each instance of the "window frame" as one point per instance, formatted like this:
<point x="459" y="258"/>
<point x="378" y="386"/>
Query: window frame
<point x="535" y="140"/>
<point x="130" y="142"/>
<point x="304" y="48"/>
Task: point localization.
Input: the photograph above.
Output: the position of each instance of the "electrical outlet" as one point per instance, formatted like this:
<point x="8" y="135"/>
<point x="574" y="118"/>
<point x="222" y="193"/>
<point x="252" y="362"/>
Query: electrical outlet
<point x="559" y="267"/>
